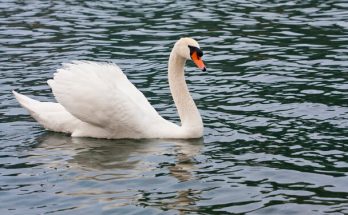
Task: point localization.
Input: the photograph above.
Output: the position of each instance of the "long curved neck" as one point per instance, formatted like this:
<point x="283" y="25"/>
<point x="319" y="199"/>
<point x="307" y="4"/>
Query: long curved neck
<point x="189" y="115"/>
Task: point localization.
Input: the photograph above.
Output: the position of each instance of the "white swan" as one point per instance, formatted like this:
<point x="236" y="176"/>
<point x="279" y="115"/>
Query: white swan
<point x="97" y="100"/>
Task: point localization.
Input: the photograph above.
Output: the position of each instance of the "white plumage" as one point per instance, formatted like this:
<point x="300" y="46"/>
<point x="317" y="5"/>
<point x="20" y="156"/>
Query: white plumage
<point x="97" y="100"/>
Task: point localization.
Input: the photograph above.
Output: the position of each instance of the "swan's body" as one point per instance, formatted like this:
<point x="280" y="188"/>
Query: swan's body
<point x="97" y="100"/>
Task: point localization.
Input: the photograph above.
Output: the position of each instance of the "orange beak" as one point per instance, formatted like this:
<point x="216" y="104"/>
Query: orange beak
<point x="198" y="61"/>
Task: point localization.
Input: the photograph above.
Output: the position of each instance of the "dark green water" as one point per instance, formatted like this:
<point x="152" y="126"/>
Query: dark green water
<point x="274" y="103"/>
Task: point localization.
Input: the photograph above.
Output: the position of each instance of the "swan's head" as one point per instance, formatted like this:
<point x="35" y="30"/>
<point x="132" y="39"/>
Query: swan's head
<point x="188" y="48"/>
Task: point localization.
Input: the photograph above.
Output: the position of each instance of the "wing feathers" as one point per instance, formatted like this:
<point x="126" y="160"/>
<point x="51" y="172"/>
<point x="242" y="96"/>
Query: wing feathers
<point x="100" y="94"/>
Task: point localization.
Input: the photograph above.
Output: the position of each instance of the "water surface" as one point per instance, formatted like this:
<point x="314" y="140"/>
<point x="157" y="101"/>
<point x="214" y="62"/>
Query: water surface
<point x="274" y="104"/>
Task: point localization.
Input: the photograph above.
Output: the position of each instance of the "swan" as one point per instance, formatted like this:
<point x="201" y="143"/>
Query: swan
<point x="97" y="100"/>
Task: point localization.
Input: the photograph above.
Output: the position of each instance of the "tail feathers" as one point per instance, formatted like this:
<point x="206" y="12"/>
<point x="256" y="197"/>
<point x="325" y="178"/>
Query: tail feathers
<point x="36" y="106"/>
<point x="52" y="116"/>
<point x="25" y="101"/>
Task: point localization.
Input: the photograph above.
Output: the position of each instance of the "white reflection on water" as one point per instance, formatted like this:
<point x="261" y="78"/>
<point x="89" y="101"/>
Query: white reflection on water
<point x="107" y="164"/>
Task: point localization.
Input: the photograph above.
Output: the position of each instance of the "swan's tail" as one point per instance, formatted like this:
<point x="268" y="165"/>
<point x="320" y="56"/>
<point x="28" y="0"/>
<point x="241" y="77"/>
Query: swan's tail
<point x="52" y="116"/>
<point x="26" y="102"/>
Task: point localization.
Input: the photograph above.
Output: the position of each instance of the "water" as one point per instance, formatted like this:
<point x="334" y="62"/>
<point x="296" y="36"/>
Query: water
<point x="273" y="101"/>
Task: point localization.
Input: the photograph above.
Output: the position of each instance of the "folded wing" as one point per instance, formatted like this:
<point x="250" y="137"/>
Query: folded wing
<point x="100" y="94"/>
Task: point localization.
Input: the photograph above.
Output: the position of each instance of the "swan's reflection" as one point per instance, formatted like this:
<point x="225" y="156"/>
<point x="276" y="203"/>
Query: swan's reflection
<point x="117" y="159"/>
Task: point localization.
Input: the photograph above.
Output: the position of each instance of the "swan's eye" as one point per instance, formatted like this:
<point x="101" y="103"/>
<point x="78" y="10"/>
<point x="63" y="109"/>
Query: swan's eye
<point x="196" y="56"/>
<point x="194" y="49"/>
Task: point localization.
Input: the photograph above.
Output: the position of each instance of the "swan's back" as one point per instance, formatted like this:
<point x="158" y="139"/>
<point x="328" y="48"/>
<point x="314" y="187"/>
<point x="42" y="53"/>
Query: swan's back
<point x="101" y="95"/>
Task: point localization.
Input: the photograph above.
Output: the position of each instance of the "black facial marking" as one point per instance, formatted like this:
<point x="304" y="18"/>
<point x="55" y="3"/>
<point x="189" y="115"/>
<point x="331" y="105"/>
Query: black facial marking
<point x="192" y="49"/>
<point x="199" y="52"/>
<point x="195" y="49"/>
